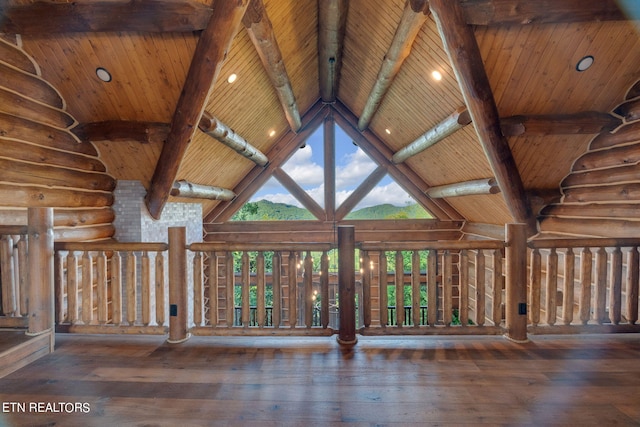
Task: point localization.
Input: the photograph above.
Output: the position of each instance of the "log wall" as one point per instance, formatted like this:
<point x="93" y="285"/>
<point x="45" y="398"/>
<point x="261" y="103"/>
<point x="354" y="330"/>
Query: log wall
<point x="601" y="194"/>
<point x="42" y="162"/>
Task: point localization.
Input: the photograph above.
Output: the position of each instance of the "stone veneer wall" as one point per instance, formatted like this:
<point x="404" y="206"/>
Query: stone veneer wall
<point x="134" y="224"/>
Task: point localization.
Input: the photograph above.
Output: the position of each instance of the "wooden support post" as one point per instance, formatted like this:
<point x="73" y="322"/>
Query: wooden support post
<point x="177" y="285"/>
<point x="40" y="262"/>
<point x="516" y="282"/>
<point x="347" y="285"/>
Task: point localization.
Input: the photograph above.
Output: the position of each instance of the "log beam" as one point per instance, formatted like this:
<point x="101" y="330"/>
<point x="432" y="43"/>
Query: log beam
<point x="463" y="51"/>
<point x="207" y="61"/>
<point x="299" y="193"/>
<point x="332" y="20"/>
<point x="467" y="188"/>
<point x="518" y="12"/>
<point x="45" y="17"/>
<point x="588" y="122"/>
<point x="117" y="130"/>
<point x="261" y="34"/>
<point x="456" y="121"/>
<point x="359" y="193"/>
<point x="413" y="17"/>
<point x="198" y="191"/>
<point x="223" y="133"/>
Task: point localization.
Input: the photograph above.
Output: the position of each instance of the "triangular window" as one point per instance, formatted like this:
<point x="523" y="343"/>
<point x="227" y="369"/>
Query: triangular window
<point x="324" y="165"/>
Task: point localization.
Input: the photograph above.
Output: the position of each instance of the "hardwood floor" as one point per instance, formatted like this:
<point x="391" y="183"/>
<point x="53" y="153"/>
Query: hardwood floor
<point x="142" y="381"/>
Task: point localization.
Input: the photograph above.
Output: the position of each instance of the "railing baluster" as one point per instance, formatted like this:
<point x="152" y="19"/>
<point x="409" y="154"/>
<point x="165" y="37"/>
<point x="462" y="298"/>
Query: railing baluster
<point x="415" y="287"/>
<point x="60" y="315"/>
<point x="552" y="286"/>
<point x="535" y="283"/>
<point x="214" y="282"/>
<point x="432" y="287"/>
<point x="399" y="289"/>
<point x="160" y="290"/>
<point x="101" y="283"/>
<point x="498" y="286"/>
<point x="383" y="285"/>
<point x="276" y="276"/>
<point x="132" y="281"/>
<point x="447" y="288"/>
<point x="246" y="285"/>
<point x="601" y="286"/>
<point x="198" y="289"/>
<point x="72" y="287"/>
<point x="22" y="273"/>
<point x="145" y="284"/>
<point x="586" y="264"/>
<point x="230" y="283"/>
<point x="260" y="292"/>
<point x="463" y="304"/>
<point x="480" y="287"/>
<point x="9" y="306"/>
<point x="308" y="290"/>
<point x="633" y="278"/>
<point x="87" y="288"/>
<point x="324" y="290"/>
<point x="567" y="292"/>
<point x="366" y="288"/>
<point x="116" y="288"/>
<point x="293" y="290"/>
<point x="615" y="290"/>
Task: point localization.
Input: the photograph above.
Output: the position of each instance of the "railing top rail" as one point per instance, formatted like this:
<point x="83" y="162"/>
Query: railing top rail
<point x="583" y="243"/>
<point x="232" y="246"/>
<point x="111" y="246"/>
<point x="10" y="230"/>
<point x="435" y="245"/>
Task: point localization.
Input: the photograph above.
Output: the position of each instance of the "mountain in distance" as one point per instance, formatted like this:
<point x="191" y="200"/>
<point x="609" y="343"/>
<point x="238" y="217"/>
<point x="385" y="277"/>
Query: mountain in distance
<point x="264" y="210"/>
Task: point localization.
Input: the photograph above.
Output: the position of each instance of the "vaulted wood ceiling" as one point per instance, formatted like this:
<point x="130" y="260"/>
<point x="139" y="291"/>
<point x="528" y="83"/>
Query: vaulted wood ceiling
<point x="498" y="58"/>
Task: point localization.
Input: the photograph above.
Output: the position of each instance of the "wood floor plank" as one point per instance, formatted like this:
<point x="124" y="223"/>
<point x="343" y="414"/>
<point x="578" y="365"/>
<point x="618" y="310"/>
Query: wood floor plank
<point x="273" y="381"/>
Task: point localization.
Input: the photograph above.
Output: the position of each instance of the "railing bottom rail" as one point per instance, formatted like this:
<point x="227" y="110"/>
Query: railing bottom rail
<point x="266" y="331"/>
<point x="432" y="330"/>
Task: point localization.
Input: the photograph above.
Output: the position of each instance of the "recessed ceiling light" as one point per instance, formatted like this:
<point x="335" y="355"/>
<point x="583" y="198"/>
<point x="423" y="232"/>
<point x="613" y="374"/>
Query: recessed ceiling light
<point x="103" y="74"/>
<point x="388" y="131"/>
<point x="436" y="75"/>
<point x="272" y="133"/>
<point x="584" y="63"/>
<point x="232" y="78"/>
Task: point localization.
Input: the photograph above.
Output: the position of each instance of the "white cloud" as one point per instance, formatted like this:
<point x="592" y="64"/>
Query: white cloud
<point x="391" y="193"/>
<point x="303" y="170"/>
<point x="358" y="166"/>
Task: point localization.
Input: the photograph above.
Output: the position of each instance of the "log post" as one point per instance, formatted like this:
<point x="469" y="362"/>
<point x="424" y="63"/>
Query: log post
<point x="516" y="282"/>
<point x="177" y="285"/>
<point x="347" y="285"/>
<point x="40" y="271"/>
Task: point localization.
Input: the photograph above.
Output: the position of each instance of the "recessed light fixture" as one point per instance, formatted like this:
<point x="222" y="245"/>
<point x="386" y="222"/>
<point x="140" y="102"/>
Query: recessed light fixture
<point x="584" y="63"/>
<point x="437" y="76"/>
<point x="388" y="131"/>
<point x="272" y="133"/>
<point x="232" y="78"/>
<point x="103" y="74"/>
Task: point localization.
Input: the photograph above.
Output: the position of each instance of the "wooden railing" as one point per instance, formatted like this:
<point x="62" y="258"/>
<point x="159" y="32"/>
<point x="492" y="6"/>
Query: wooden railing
<point x="455" y="287"/>
<point x="277" y="279"/>
<point x="456" y="283"/>
<point x="108" y="287"/>
<point x="583" y="285"/>
<point x="13" y="277"/>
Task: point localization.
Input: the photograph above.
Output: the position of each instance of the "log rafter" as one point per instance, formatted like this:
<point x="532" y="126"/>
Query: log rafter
<point x="223" y="133"/>
<point x="210" y="53"/>
<point x="261" y="34"/>
<point x="413" y="17"/>
<point x="587" y="122"/>
<point x="463" y="51"/>
<point x="332" y="20"/>
<point x="466" y="188"/>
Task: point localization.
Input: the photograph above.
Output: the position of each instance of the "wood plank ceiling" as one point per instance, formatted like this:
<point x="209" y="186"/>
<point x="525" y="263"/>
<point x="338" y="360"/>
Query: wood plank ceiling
<point x="529" y="53"/>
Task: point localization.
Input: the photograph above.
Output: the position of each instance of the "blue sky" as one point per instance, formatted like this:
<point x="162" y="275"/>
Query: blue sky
<point x="306" y="167"/>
